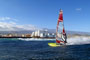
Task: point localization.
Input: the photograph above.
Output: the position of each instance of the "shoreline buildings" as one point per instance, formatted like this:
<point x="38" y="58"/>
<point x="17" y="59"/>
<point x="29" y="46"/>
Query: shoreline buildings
<point x="35" y="34"/>
<point x="43" y="34"/>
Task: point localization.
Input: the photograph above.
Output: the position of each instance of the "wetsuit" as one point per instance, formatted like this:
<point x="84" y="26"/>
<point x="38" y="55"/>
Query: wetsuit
<point x="65" y="36"/>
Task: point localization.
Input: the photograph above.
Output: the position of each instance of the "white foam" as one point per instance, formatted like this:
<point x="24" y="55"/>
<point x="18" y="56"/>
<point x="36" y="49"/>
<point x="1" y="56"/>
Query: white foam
<point x="35" y="39"/>
<point x="78" y="40"/>
<point x="71" y="41"/>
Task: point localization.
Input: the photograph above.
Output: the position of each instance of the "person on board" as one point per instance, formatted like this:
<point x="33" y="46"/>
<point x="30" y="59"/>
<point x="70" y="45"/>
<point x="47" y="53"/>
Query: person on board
<point x="65" y="37"/>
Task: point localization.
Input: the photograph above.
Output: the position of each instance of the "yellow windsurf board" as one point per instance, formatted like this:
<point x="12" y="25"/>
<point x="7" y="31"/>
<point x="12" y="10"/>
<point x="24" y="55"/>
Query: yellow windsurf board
<point x="53" y="45"/>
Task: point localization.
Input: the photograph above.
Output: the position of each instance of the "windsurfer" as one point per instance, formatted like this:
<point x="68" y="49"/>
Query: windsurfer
<point x="65" y="37"/>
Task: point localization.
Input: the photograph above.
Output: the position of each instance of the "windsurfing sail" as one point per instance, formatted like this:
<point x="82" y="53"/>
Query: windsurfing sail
<point x="60" y="31"/>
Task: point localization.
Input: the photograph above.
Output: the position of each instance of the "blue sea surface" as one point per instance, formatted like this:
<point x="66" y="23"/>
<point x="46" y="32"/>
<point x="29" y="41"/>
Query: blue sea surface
<point x="15" y="49"/>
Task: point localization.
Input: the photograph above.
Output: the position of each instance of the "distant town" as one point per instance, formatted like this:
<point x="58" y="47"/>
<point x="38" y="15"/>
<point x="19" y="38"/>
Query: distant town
<point x="35" y="34"/>
<point x="44" y="33"/>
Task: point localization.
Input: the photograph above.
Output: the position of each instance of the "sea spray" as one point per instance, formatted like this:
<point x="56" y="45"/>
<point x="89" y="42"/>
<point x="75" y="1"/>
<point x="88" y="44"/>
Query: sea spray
<point x="78" y="40"/>
<point x="70" y="41"/>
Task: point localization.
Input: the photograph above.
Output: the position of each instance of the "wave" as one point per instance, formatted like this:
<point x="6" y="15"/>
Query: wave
<point x="35" y="39"/>
<point x="71" y="41"/>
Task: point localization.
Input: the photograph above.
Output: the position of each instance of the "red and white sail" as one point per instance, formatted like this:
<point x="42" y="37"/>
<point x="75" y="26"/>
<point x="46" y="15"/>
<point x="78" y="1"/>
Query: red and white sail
<point x="60" y="31"/>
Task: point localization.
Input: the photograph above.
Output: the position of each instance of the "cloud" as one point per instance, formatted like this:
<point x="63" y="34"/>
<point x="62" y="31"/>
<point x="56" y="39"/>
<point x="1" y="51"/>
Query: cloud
<point x="7" y="18"/>
<point x="9" y="24"/>
<point x="12" y="26"/>
<point x="78" y="9"/>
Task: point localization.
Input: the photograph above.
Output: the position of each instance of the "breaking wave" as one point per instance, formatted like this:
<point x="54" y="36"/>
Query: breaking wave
<point x="71" y="41"/>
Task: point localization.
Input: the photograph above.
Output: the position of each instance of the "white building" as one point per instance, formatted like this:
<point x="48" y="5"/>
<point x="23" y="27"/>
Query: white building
<point x="33" y="34"/>
<point x="36" y="33"/>
<point x="44" y="33"/>
<point x="51" y="35"/>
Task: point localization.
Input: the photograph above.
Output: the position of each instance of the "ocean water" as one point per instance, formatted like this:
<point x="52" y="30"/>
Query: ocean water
<point x="38" y="49"/>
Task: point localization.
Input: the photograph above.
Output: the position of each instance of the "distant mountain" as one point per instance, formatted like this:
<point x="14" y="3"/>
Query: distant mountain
<point x="49" y="30"/>
<point x="70" y="32"/>
<point x="16" y="32"/>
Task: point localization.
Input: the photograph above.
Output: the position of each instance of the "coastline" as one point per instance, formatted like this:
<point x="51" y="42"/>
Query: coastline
<point x="31" y="37"/>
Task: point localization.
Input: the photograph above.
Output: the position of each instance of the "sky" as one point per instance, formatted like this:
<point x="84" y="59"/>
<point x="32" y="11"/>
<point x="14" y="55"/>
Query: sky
<point x="38" y="14"/>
